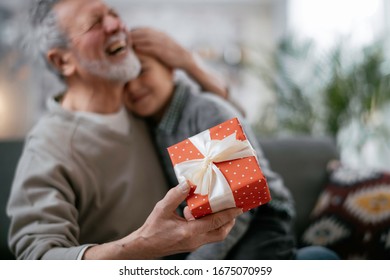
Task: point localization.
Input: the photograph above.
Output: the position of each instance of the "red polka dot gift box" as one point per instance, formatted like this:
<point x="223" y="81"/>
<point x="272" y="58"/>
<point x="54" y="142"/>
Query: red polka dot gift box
<point x="222" y="168"/>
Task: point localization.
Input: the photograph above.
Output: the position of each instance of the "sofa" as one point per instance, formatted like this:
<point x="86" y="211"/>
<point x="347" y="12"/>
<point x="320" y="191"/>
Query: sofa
<point x="9" y="155"/>
<point x="301" y="161"/>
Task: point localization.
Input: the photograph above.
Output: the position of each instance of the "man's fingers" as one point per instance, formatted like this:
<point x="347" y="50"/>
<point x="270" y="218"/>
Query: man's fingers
<point x="215" y="221"/>
<point x="174" y="197"/>
<point x="187" y="214"/>
<point x="220" y="233"/>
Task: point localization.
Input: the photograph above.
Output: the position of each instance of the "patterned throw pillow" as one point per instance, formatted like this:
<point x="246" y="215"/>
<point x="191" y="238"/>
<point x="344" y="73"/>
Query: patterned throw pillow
<point x="352" y="215"/>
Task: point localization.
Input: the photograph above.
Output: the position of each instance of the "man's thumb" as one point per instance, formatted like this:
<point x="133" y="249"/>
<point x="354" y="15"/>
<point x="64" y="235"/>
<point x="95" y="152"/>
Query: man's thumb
<point x="176" y="195"/>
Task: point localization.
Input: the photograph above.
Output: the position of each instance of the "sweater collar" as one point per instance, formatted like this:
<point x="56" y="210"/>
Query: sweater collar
<point x="172" y="116"/>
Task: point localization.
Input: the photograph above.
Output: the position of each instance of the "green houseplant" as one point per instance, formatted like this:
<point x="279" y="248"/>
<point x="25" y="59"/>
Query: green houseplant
<point x="342" y="92"/>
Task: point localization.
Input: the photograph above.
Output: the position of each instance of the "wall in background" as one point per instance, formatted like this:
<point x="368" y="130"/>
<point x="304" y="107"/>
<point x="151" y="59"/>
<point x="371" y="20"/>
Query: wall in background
<point x="224" y="32"/>
<point x="328" y="21"/>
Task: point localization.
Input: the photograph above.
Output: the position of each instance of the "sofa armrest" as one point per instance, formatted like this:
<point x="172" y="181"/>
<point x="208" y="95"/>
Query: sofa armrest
<point x="301" y="161"/>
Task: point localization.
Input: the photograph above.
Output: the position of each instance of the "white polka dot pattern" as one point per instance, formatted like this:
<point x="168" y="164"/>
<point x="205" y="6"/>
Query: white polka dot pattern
<point x="248" y="184"/>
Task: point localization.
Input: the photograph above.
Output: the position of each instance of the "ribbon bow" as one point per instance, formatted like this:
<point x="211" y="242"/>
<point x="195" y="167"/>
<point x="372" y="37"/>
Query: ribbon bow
<point x="205" y="174"/>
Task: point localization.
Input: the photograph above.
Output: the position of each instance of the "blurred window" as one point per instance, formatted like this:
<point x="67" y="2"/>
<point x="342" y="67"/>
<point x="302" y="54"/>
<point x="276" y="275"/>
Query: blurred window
<point x="327" y="21"/>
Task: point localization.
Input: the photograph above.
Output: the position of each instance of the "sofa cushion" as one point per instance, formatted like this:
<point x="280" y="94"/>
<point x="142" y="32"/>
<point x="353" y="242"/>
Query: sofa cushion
<point x="352" y="214"/>
<point x="302" y="162"/>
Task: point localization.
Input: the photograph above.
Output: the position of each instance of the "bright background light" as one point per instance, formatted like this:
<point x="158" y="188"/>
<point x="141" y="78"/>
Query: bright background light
<point x="325" y="21"/>
<point x="4" y="113"/>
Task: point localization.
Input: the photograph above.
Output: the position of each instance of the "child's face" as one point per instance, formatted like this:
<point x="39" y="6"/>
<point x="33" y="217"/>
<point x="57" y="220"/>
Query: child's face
<point x="149" y="94"/>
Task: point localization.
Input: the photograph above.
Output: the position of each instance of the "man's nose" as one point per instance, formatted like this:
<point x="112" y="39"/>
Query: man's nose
<point x="113" y="24"/>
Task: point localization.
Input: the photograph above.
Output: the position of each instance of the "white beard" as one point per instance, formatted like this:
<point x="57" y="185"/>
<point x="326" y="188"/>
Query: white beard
<point x="124" y="71"/>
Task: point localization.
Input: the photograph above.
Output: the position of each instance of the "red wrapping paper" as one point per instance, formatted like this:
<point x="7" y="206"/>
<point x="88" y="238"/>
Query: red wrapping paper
<point x="246" y="180"/>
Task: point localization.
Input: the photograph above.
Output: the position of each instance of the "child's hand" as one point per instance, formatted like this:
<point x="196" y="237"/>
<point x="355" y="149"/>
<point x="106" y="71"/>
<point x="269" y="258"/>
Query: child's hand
<point x="156" y="43"/>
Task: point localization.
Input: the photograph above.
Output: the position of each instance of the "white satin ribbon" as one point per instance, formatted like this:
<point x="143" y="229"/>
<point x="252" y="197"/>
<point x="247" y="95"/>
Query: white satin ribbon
<point x="205" y="174"/>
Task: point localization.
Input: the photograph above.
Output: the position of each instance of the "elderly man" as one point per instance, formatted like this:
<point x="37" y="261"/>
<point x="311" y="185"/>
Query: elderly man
<point x="88" y="184"/>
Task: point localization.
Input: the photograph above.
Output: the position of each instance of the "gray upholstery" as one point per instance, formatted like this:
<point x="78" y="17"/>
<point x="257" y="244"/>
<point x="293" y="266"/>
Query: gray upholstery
<point x="9" y="155"/>
<point x="301" y="162"/>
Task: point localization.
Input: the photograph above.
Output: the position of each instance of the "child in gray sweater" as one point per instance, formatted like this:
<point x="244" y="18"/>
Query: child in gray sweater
<point x="177" y="111"/>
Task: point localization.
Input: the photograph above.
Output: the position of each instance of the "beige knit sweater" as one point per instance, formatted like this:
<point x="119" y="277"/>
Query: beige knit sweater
<point x="80" y="183"/>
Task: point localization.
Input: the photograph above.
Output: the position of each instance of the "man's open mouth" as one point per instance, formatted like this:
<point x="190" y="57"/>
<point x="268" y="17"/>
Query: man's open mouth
<point x="116" y="48"/>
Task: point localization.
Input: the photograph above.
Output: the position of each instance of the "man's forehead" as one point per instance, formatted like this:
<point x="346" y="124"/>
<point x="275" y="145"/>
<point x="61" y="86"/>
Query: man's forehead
<point x="72" y="9"/>
<point x="75" y="15"/>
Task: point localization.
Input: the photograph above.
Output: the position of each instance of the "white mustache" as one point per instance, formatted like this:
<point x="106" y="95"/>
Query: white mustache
<point x="116" y="37"/>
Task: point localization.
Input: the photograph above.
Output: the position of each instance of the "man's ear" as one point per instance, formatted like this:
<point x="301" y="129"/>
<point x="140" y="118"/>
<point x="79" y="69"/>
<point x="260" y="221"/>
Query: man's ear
<point x="62" y="61"/>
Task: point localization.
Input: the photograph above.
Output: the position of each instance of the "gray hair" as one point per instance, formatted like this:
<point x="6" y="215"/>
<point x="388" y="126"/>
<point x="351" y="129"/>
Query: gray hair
<point x="46" y="32"/>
